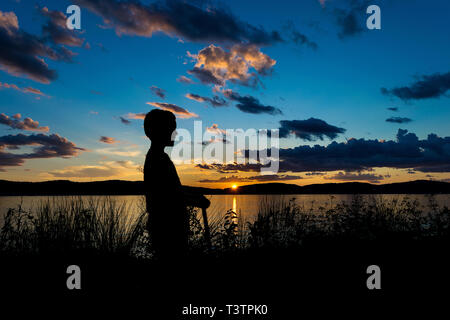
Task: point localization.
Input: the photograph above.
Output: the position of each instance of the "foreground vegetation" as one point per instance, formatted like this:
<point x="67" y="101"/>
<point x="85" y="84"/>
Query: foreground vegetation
<point x="305" y="249"/>
<point x="102" y="226"/>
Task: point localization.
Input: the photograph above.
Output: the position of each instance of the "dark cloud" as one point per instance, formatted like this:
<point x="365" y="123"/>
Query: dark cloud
<point x="108" y="140"/>
<point x="350" y="16"/>
<point x="298" y="37"/>
<point x="398" y="120"/>
<point x="216" y="101"/>
<point x="158" y="91"/>
<point x="395" y="109"/>
<point x="349" y="22"/>
<point x="429" y="155"/>
<point x="314" y="174"/>
<point x="45" y="146"/>
<point x="27" y="123"/>
<point x="231" y="167"/>
<point x="56" y="30"/>
<point x="309" y="129"/>
<point x="180" y="19"/>
<point x="250" y="104"/>
<point x="124" y="121"/>
<point x="429" y="86"/>
<point x="259" y="178"/>
<point x="347" y="176"/>
<point x="205" y="76"/>
<point x="407" y="151"/>
<point x="21" y="54"/>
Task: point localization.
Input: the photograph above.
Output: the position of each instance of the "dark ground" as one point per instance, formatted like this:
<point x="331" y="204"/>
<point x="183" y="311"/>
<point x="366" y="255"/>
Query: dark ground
<point x="328" y="279"/>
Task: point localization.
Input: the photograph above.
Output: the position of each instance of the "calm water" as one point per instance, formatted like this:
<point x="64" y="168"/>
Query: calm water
<point x="245" y="205"/>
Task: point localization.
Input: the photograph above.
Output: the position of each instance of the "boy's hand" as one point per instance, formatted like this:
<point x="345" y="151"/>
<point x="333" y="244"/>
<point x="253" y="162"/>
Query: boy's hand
<point x="196" y="200"/>
<point x="204" y="202"/>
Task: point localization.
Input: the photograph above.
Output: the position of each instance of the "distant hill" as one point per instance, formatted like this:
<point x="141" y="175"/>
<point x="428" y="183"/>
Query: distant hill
<point x="120" y="187"/>
<point x="66" y="187"/>
<point x="418" y="187"/>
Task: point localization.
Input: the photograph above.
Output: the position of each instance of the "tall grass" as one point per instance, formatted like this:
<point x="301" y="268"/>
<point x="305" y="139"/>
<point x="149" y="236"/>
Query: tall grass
<point x="104" y="226"/>
<point x="282" y="223"/>
<point x="69" y="225"/>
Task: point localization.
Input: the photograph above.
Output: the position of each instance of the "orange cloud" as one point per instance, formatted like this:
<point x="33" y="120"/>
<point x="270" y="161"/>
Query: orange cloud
<point x="215" y="65"/>
<point x="24" y="90"/>
<point x="27" y="123"/>
<point x="136" y="116"/>
<point x="178" y="111"/>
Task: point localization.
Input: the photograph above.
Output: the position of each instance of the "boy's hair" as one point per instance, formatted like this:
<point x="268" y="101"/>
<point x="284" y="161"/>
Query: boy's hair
<point x="157" y="121"/>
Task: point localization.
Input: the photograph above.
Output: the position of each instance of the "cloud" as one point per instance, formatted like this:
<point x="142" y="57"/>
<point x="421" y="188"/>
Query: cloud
<point x="105" y="169"/>
<point x="45" y="146"/>
<point x="158" y="91"/>
<point x="85" y="172"/>
<point x="348" y="23"/>
<point x="216" y="101"/>
<point x="178" y="19"/>
<point x="23" y="54"/>
<point x="429" y="86"/>
<point x="124" y="121"/>
<point x="108" y="140"/>
<point x="216" y="130"/>
<point x="57" y="31"/>
<point x="122" y="152"/>
<point x="27" y="123"/>
<point x="259" y="178"/>
<point x="184" y="79"/>
<point x="250" y="104"/>
<point x="347" y="176"/>
<point x="219" y="135"/>
<point x="398" y="120"/>
<point x="322" y="2"/>
<point x="395" y="109"/>
<point x="314" y="174"/>
<point x="24" y="90"/>
<point x="178" y="111"/>
<point x="231" y="167"/>
<point x="205" y="76"/>
<point x="136" y="116"/>
<point x="309" y="129"/>
<point x="349" y="16"/>
<point x="299" y="38"/>
<point x="407" y="151"/>
<point x="33" y="90"/>
<point x="215" y="65"/>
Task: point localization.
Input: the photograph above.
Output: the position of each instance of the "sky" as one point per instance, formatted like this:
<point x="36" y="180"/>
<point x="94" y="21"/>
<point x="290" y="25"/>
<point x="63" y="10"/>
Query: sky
<point x="351" y="104"/>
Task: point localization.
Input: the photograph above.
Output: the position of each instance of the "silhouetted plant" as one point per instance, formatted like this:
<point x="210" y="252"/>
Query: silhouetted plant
<point x="104" y="226"/>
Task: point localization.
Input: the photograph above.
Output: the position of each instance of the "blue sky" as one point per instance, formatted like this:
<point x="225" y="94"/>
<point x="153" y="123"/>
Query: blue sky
<point x="337" y="80"/>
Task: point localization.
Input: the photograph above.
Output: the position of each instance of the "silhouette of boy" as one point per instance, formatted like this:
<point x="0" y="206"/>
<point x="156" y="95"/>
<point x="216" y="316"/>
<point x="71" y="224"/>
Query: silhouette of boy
<point x="166" y="202"/>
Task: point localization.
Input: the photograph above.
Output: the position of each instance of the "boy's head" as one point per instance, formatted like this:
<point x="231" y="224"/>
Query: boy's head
<point x="159" y="126"/>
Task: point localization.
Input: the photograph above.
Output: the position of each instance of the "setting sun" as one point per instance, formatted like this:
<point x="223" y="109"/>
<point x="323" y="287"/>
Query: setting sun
<point x="234" y="186"/>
